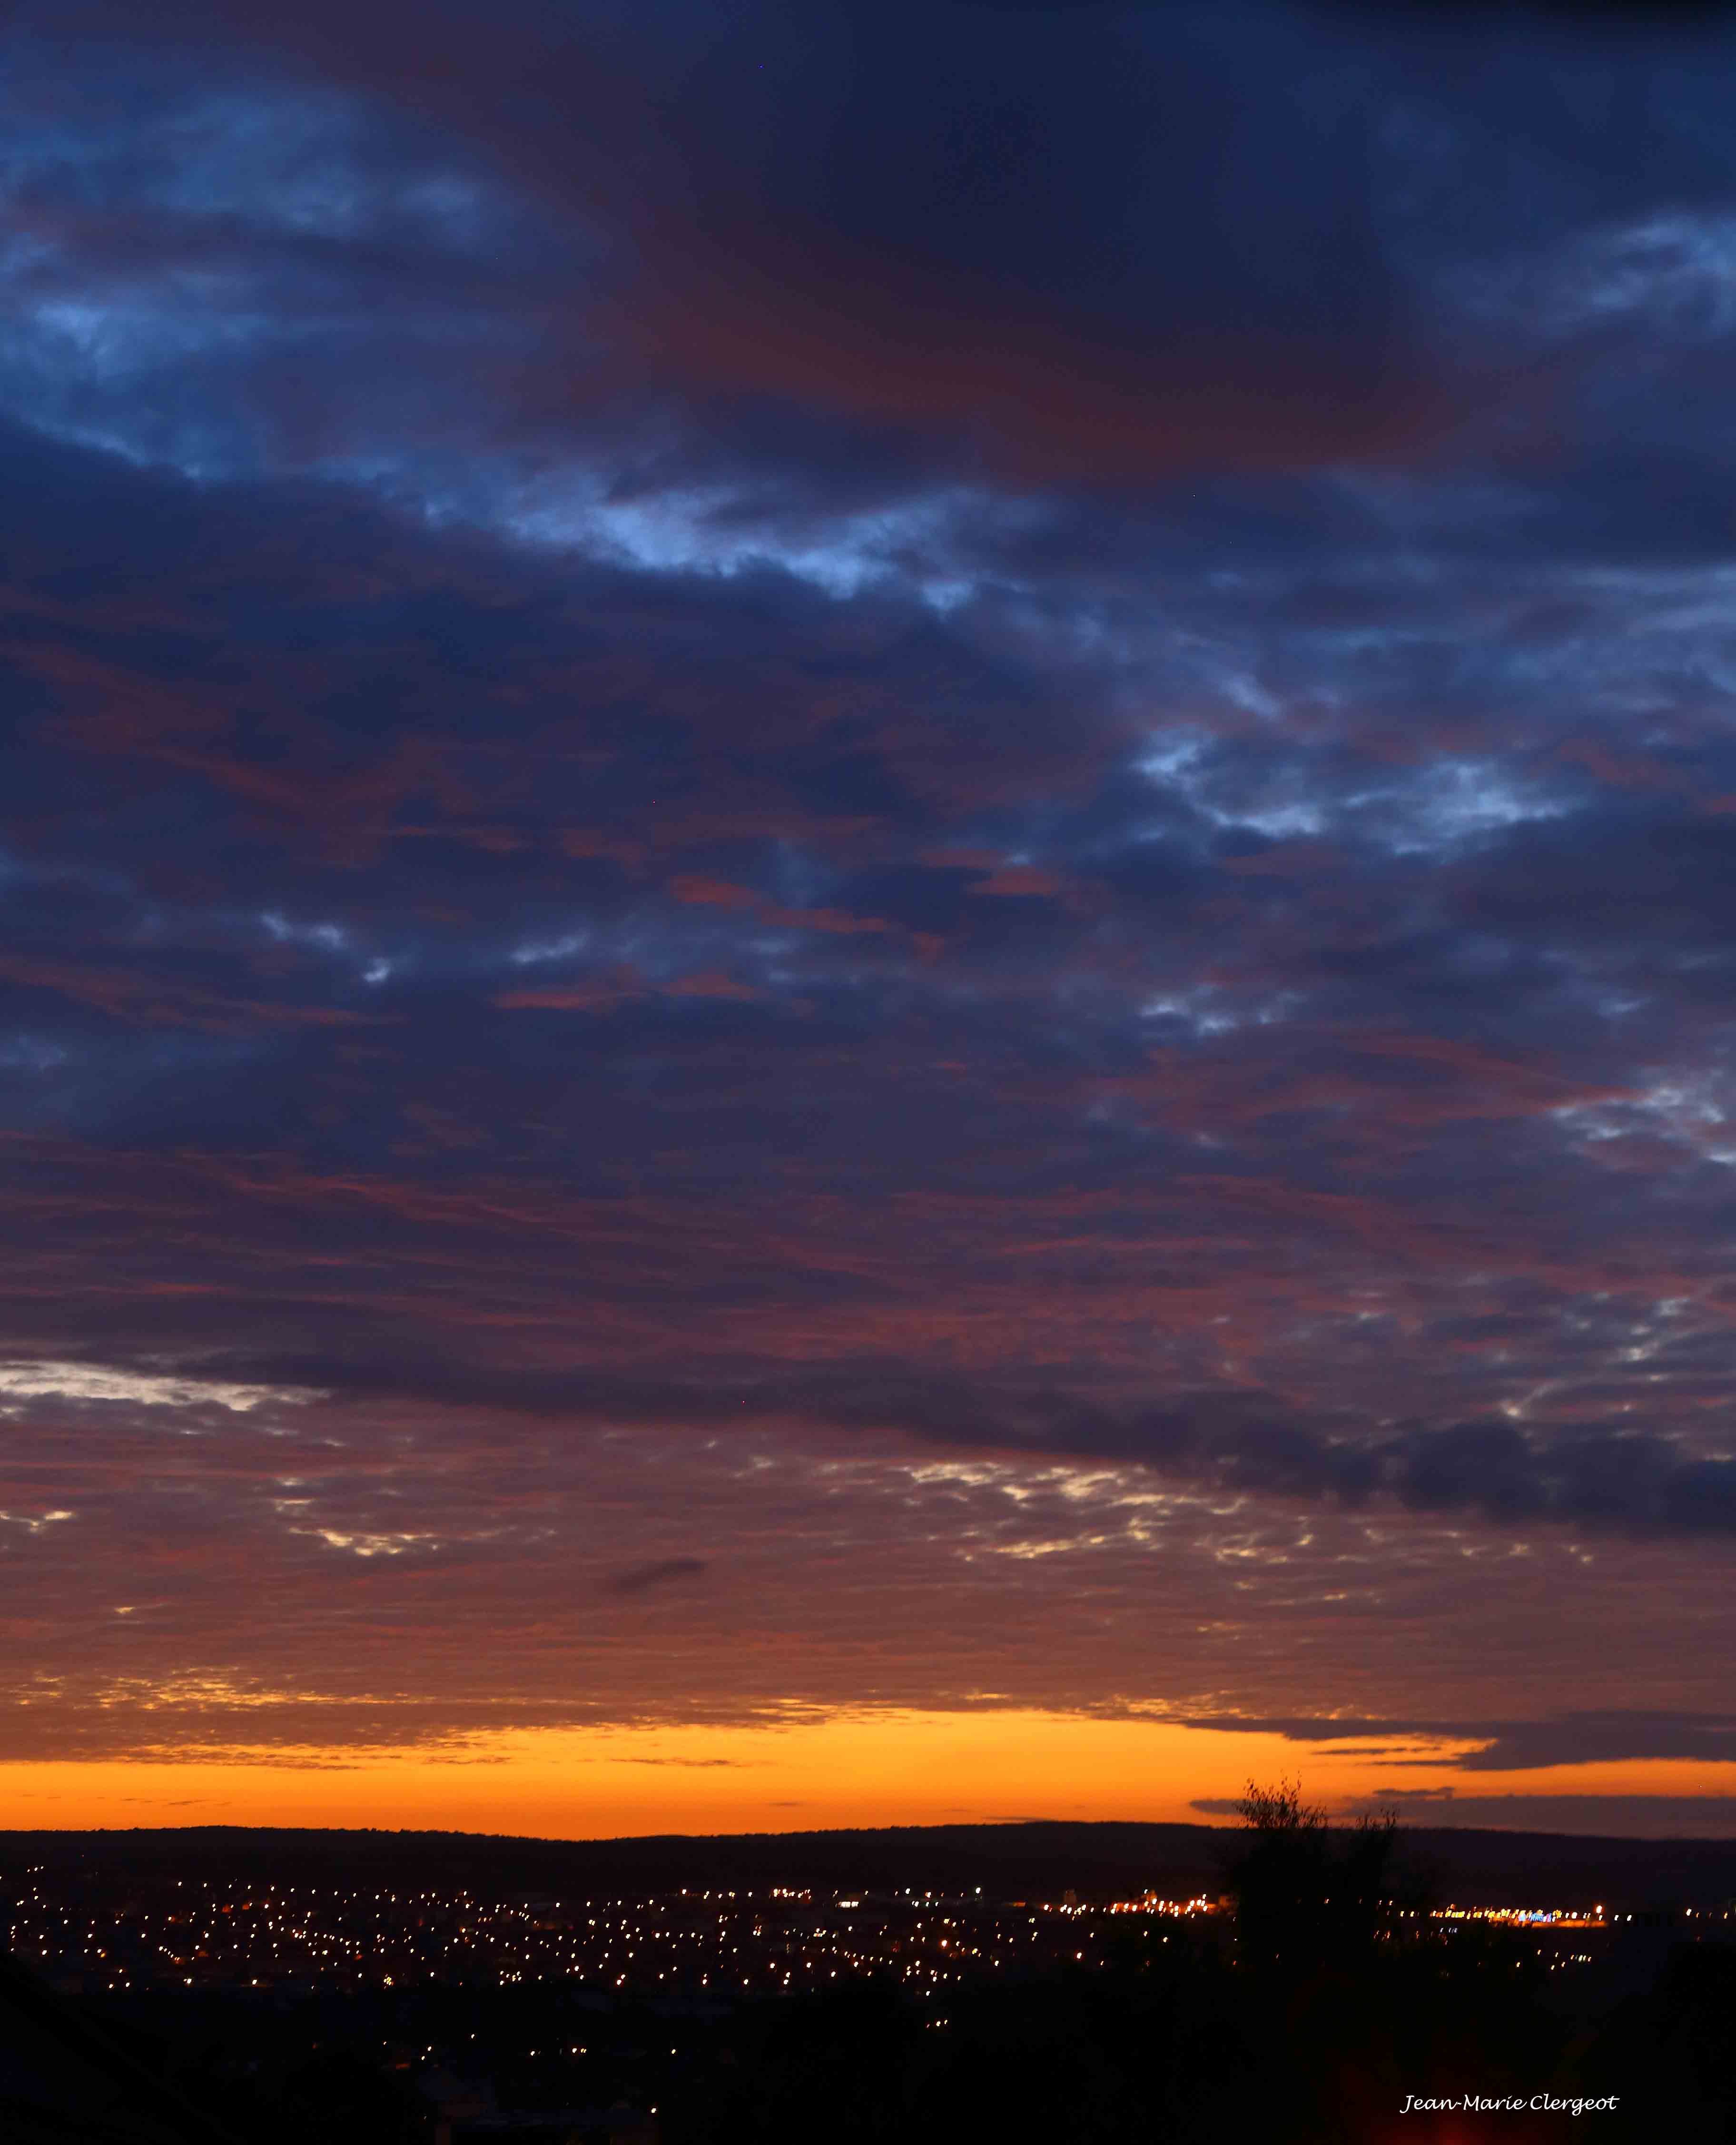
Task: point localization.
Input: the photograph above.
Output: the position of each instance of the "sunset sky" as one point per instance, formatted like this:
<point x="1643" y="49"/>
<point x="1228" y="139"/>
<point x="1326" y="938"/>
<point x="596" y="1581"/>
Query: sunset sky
<point x="869" y="940"/>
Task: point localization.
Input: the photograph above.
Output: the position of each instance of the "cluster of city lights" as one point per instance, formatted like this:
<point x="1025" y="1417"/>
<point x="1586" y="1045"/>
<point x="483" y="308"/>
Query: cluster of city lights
<point x="704" y="1945"/>
<point x="725" y="1944"/>
<point x="1548" y="1917"/>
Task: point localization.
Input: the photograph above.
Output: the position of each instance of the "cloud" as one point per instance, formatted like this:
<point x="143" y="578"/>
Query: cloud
<point x="642" y="1577"/>
<point x="1234" y="1440"/>
<point x="704" y="1765"/>
<point x="89" y="1381"/>
<point x="1585" y="1739"/>
<point x="1567" y="1738"/>
<point x="743" y="797"/>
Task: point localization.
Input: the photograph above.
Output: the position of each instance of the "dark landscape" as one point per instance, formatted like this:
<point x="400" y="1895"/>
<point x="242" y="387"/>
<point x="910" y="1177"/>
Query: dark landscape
<point x="1076" y="1984"/>
<point x="1101" y="1861"/>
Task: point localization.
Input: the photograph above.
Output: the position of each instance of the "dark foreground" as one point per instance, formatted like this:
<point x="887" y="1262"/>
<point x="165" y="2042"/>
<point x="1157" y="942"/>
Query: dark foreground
<point x="399" y="1989"/>
<point x="1176" y="2042"/>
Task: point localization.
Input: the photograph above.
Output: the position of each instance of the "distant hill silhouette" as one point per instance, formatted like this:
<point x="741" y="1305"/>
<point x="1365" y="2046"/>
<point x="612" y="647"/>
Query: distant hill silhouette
<point x="1006" y="1861"/>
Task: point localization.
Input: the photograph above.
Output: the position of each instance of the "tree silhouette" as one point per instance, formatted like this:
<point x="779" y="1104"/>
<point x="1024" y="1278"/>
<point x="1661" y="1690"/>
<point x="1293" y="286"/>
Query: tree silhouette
<point x="1304" y="1892"/>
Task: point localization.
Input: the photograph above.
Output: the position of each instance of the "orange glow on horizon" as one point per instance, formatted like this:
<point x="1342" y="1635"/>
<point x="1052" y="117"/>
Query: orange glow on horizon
<point x="851" y="1769"/>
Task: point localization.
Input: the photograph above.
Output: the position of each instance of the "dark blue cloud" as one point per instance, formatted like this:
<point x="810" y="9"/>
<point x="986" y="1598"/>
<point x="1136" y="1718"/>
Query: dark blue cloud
<point x="1517" y="1746"/>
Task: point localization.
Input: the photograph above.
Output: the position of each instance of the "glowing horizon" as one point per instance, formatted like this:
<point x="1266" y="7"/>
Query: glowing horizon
<point x="923" y="923"/>
<point x="851" y="1771"/>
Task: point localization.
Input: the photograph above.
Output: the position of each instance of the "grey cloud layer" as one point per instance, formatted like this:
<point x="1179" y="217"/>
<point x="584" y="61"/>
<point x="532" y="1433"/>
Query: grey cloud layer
<point x="416" y="1581"/>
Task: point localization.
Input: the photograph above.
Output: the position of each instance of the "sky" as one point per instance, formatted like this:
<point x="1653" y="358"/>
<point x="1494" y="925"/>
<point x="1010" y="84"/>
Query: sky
<point x="868" y="913"/>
